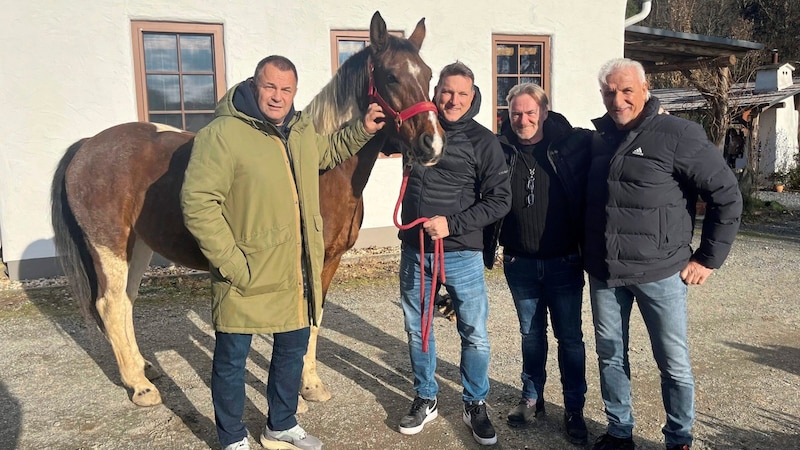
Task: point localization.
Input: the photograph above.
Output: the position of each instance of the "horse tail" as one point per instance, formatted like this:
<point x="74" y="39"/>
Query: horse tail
<point x="73" y="251"/>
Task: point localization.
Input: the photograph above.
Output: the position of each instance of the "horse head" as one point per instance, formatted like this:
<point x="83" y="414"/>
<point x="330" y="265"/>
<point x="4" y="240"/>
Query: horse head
<point x="399" y="81"/>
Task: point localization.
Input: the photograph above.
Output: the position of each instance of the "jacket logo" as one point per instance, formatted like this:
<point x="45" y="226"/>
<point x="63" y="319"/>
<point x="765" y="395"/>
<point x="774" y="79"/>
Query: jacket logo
<point x="638" y="152"/>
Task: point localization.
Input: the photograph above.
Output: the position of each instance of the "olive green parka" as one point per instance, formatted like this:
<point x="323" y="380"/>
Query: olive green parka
<point x="251" y="200"/>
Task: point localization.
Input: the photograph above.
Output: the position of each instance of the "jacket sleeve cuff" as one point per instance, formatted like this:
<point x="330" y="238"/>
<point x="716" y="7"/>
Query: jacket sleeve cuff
<point x="230" y="268"/>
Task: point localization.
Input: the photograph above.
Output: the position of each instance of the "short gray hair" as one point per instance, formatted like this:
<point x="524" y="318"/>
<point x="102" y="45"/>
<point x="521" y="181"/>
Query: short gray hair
<point x="616" y="64"/>
<point x="532" y="89"/>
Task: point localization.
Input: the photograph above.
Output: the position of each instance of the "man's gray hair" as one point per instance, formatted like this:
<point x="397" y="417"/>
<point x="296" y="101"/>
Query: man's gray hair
<point x="532" y="89"/>
<point x="616" y="64"/>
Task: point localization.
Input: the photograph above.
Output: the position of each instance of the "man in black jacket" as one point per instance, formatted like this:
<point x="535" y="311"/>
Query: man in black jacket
<point x="541" y="236"/>
<point x="645" y="174"/>
<point x="465" y="192"/>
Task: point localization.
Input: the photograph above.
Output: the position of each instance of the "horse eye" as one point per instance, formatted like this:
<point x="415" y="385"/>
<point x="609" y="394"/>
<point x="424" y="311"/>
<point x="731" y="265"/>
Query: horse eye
<point x="391" y="78"/>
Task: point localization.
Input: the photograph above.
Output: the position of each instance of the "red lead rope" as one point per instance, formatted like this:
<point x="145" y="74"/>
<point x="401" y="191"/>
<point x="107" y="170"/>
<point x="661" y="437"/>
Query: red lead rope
<point x="437" y="266"/>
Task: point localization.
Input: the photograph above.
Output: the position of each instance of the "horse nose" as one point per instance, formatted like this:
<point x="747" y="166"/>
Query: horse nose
<point x="430" y="149"/>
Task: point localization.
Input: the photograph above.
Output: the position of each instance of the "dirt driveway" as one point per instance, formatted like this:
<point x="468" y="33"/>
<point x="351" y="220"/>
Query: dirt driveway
<point x="59" y="386"/>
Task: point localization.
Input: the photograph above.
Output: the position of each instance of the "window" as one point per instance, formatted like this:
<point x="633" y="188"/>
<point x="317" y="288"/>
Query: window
<point x="345" y="44"/>
<point x="180" y="72"/>
<point x="518" y="59"/>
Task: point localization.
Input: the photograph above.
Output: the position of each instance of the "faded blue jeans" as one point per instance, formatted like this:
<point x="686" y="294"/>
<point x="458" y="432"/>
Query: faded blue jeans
<point x="467" y="288"/>
<point x="663" y="307"/>
<point x="554" y="284"/>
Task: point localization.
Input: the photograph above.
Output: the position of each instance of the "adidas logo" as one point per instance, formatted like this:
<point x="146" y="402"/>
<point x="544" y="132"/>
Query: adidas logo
<point x="638" y="152"/>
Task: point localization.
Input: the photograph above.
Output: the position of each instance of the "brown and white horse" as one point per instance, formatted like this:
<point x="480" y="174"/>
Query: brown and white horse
<point x="115" y="195"/>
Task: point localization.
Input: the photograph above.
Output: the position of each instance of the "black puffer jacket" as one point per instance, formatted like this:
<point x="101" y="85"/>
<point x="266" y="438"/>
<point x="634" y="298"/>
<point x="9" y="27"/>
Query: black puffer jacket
<point x="568" y="154"/>
<point x="641" y="195"/>
<point x="469" y="185"/>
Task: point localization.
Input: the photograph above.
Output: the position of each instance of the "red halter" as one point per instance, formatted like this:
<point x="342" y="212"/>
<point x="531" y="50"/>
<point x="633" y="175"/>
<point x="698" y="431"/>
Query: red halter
<point x="402" y="116"/>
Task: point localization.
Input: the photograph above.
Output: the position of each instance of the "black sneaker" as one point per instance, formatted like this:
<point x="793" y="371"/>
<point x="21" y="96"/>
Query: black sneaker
<point x="423" y="410"/>
<point x="478" y="421"/>
<point x="609" y="442"/>
<point x="526" y="411"/>
<point x="575" y="427"/>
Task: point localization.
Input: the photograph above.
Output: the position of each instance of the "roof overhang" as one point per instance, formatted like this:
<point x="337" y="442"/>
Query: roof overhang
<point x="741" y="97"/>
<point x="664" y="51"/>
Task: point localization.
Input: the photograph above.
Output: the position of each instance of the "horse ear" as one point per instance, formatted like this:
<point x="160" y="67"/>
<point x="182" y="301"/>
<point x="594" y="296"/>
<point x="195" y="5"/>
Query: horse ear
<point x="378" y="37"/>
<point x="418" y="35"/>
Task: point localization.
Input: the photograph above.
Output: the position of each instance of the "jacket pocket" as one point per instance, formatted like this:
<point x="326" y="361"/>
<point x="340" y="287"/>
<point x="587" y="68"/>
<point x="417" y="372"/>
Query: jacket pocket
<point x="271" y="258"/>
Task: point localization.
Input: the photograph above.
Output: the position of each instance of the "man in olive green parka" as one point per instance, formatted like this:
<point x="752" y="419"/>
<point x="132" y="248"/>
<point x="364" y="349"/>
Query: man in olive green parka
<point x="251" y="200"/>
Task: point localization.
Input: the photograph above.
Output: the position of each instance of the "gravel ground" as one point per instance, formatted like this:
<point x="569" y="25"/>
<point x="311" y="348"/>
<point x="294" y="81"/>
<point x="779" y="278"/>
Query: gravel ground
<point x="59" y="386"/>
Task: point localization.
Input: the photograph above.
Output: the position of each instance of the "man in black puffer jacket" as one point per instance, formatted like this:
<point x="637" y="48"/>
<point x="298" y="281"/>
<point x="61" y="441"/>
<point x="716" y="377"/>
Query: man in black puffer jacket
<point x="465" y="192"/>
<point x="548" y="161"/>
<point x="646" y="172"/>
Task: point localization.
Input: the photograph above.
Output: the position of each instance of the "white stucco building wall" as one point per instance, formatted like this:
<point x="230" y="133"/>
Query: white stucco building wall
<point x="68" y="73"/>
<point x="777" y="139"/>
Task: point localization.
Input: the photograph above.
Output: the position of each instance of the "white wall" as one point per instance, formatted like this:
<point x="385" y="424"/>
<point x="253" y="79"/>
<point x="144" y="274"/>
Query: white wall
<point x="68" y="72"/>
<point x="777" y="138"/>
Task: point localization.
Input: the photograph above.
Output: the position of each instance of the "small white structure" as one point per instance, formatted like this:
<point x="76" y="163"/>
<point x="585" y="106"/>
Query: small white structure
<point x="773" y="77"/>
<point x="72" y="69"/>
<point x="767" y="121"/>
<point x="776" y="140"/>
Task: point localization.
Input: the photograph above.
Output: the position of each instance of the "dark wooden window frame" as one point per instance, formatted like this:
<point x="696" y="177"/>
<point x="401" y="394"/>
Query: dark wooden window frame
<point x="139" y="28"/>
<point x="508" y="39"/>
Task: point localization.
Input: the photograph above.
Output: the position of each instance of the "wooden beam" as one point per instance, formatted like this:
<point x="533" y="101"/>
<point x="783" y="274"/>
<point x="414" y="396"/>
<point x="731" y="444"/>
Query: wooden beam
<point x="687" y="64"/>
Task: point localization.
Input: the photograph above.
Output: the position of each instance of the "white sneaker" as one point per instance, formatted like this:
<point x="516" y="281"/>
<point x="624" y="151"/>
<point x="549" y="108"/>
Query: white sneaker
<point x="244" y="444"/>
<point x="292" y="439"/>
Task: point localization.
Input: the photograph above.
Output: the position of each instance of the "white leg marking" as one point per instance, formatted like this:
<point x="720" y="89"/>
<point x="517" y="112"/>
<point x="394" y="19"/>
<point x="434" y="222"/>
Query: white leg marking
<point x="140" y="259"/>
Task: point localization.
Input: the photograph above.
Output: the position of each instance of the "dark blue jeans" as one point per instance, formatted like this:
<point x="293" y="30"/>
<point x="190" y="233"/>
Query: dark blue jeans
<point x="283" y="385"/>
<point x="539" y="285"/>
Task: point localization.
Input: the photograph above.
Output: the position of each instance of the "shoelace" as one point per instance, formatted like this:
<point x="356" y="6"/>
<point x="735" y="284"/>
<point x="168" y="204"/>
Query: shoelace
<point x="417" y="404"/>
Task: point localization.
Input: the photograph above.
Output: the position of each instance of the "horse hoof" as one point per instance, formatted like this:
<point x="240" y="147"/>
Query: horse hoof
<point x="147" y="397"/>
<point x="316" y="394"/>
<point x="302" y="406"/>
<point x="151" y="371"/>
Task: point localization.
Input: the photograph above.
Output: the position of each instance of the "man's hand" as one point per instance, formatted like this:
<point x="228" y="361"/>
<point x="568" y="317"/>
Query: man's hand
<point x="695" y="273"/>
<point x="374" y="119"/>
<point x="436" y="227"/>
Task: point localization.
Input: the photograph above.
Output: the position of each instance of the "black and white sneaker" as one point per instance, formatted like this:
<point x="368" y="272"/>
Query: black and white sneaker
<point x="477" y="420"/>
<point x="423" y="410"/>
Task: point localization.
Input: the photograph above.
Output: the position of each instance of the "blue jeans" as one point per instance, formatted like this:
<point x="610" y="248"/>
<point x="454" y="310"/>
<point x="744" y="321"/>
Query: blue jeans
<point x="555" y="284"/>
<point x="283" y="385"/>
<point x="663" y="308"/>
<point x="467" y="289"/>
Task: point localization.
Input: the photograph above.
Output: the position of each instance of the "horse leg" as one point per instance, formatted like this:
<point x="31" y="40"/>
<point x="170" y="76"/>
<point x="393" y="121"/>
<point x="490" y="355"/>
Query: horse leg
<point x="116" y="311"/>
<point x="140" y="255"/>
<point x="311" y="386"/>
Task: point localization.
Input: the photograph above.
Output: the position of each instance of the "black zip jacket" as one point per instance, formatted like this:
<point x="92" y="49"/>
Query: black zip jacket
<point x="568" y="155"/>
<point x="642" y="189"/>
<point x="469" y="185"/>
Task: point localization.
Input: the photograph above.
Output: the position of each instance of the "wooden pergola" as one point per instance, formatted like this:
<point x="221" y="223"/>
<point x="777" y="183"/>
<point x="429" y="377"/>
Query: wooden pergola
<point x="667" y="51"/>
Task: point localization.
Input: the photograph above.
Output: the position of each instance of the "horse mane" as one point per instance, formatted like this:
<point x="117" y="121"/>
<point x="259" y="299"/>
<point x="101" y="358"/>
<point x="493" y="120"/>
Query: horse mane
<point x="344" y="97"/>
